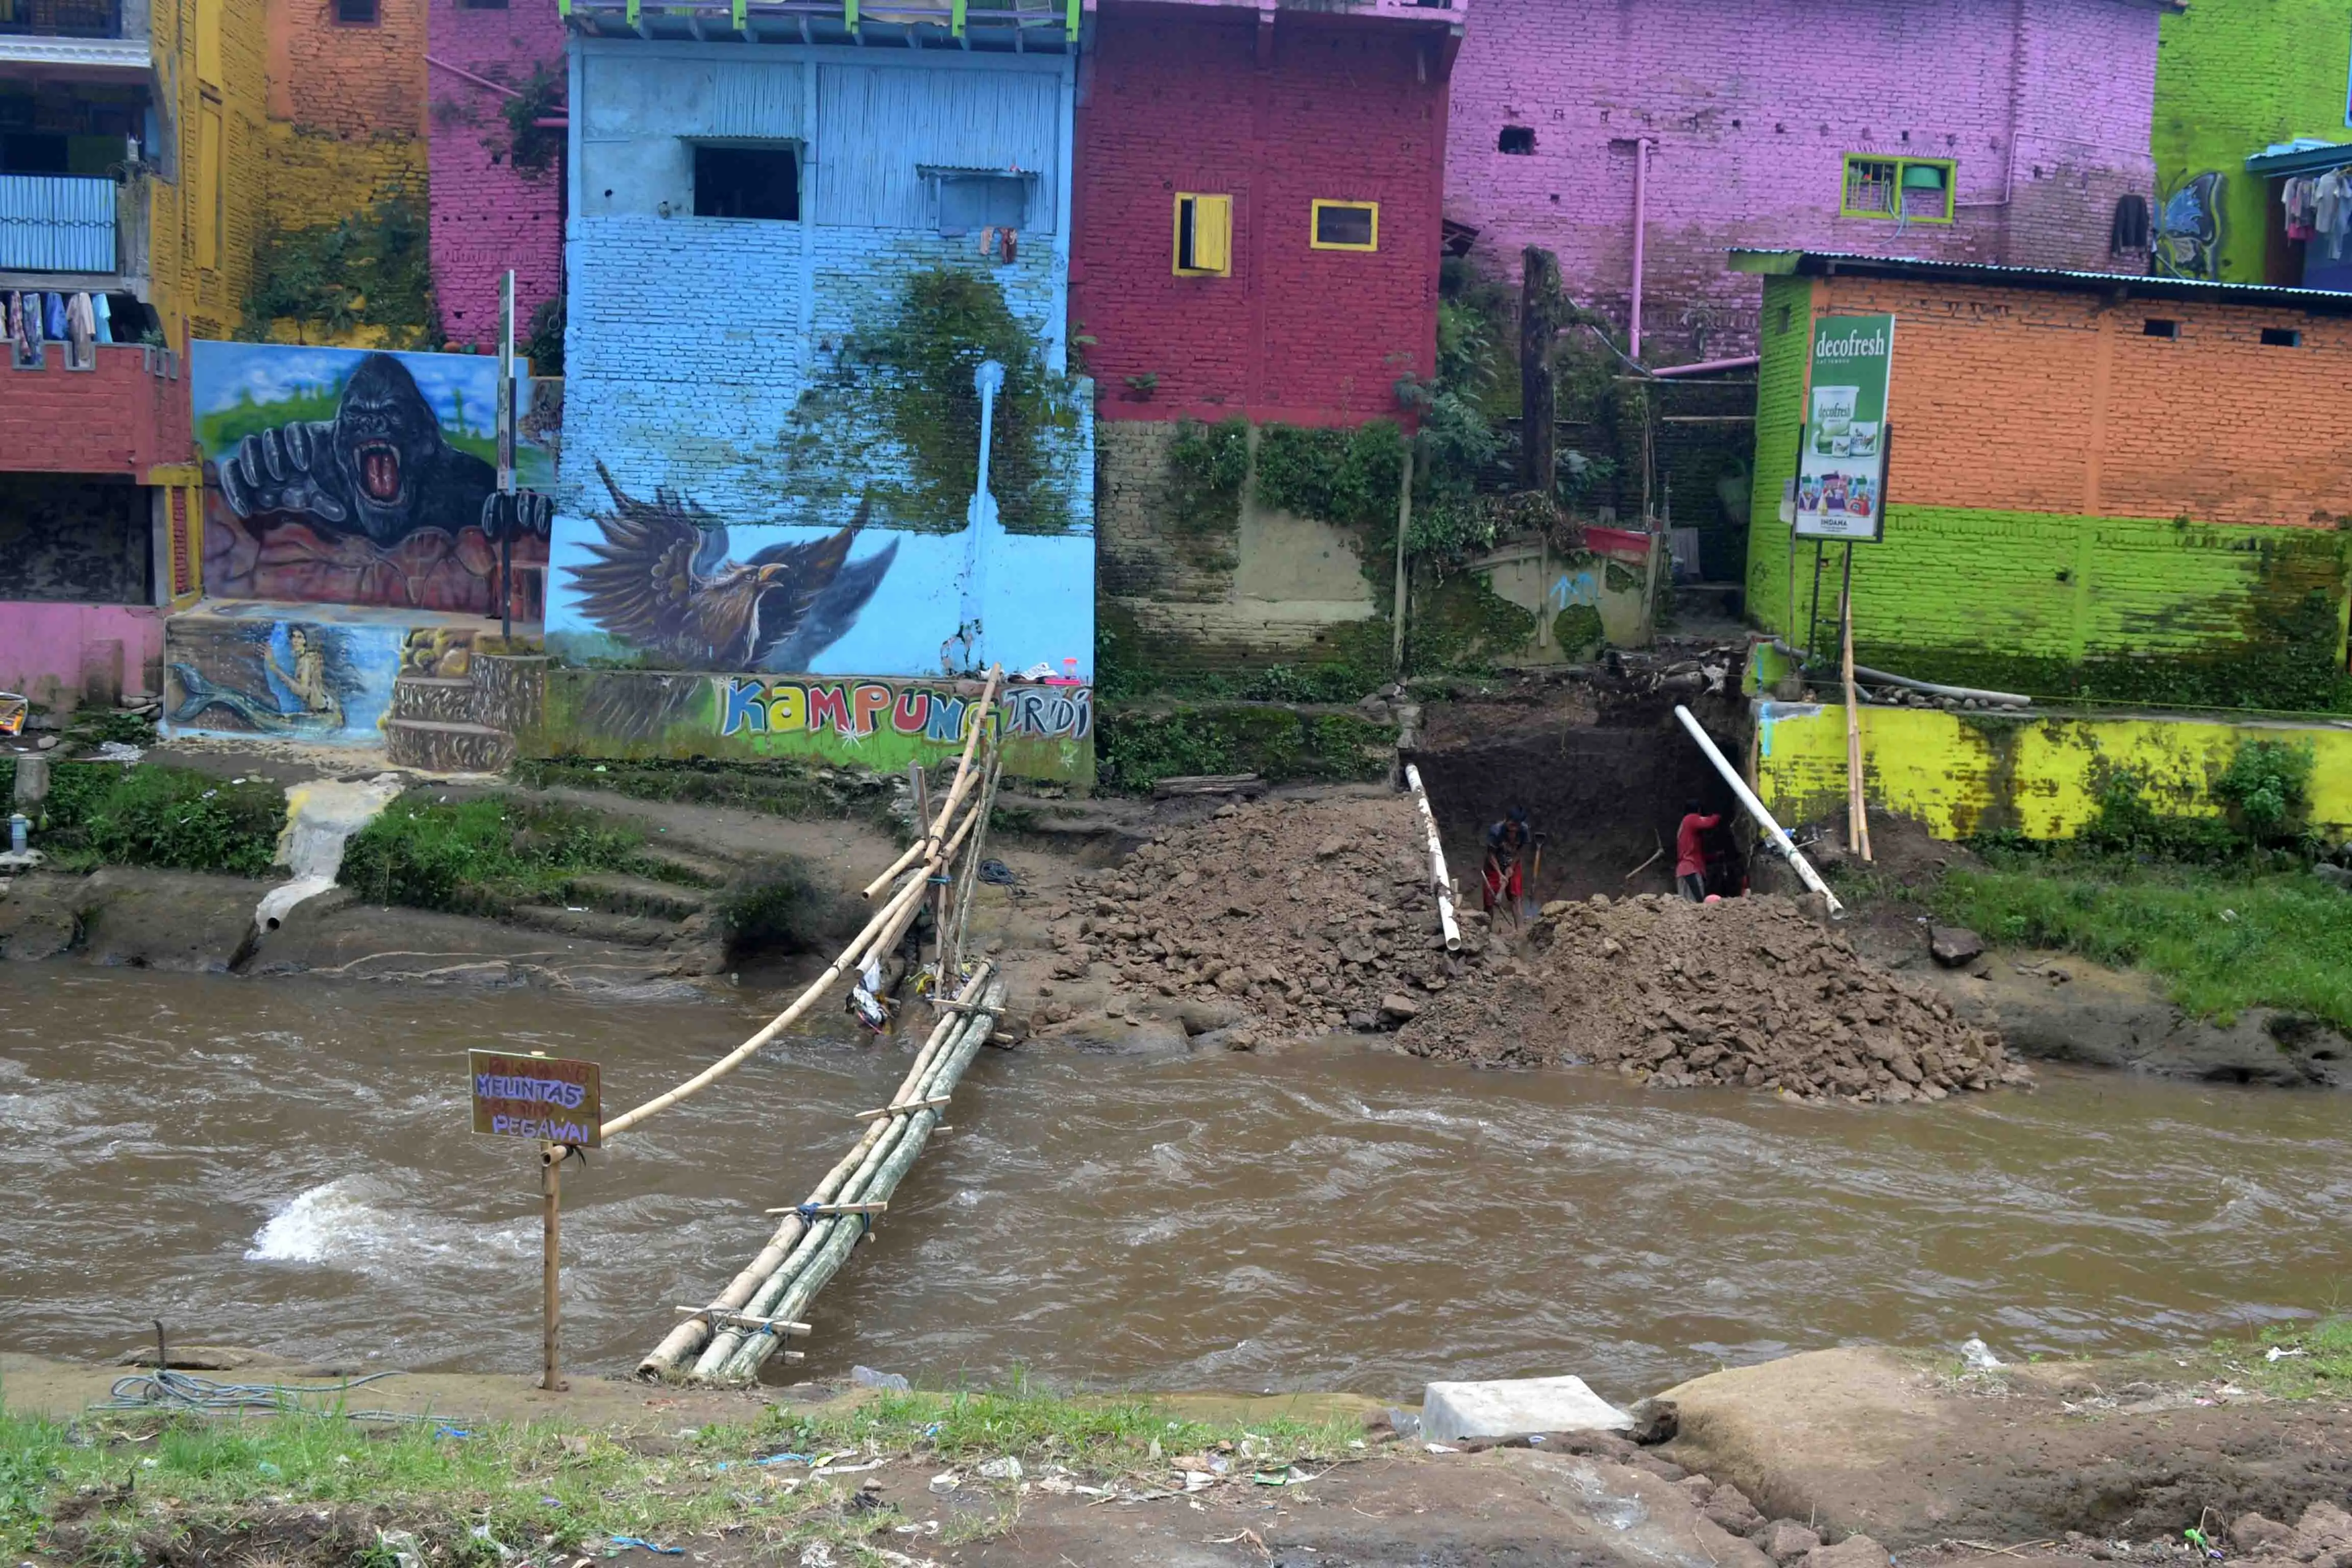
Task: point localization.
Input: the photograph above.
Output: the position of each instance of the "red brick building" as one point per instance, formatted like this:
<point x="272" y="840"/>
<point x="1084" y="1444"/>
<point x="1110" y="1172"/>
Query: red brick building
<point x="1256" y="206"/>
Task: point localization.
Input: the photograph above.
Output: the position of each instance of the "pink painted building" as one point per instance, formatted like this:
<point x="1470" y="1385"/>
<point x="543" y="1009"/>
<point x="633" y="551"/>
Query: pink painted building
<point x="1954" y="130"/>
<point x="498" y="200"/>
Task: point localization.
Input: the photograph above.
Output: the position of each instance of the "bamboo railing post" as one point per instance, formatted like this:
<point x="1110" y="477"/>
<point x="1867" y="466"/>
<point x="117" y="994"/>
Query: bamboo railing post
<point x="1857" y="811"/>
<point x="551" y="1268"/>
<point x="923" y="845"/>
<point x="952" y="947"/>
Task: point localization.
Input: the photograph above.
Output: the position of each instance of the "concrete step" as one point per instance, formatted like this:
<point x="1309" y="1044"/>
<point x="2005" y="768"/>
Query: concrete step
<point x="446" y="748"/>
<point x="602" y="925"/>
<point x="624" y="895"/>
<point x="436" y="699"/>
<point x="691" y="866"/>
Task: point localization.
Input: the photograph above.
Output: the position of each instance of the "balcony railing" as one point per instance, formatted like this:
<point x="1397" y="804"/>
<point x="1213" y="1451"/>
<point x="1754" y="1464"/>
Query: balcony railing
<point x="62" y="18"/>
<point x="57" y="222"/>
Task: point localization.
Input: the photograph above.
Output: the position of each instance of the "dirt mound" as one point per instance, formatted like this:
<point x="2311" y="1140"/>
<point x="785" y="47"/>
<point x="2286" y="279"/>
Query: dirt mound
<point x="1748" y="992"/>
<point x="1308" y="915"/>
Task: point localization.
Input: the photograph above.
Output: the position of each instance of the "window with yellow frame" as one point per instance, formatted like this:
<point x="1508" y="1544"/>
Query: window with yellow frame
<point x="1345" y="225"/>
<point x="1914" y="190"/>
<point x="1205" y="236"/>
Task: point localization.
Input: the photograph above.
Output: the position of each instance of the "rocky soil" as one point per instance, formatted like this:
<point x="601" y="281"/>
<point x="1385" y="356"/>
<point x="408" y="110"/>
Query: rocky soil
<point x="1304" y="917"/>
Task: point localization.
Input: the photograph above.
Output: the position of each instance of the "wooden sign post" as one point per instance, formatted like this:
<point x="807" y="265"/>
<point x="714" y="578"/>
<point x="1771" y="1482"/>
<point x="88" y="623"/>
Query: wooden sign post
<point x="557" y="1102"/>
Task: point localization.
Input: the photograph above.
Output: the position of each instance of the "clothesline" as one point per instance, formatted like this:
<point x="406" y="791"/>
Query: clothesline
<point x="2320" y="206"/>
<point x="80" y="320"/>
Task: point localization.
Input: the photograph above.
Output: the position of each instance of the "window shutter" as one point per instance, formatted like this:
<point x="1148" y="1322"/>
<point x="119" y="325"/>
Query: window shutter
<point x="1212" y="233"/>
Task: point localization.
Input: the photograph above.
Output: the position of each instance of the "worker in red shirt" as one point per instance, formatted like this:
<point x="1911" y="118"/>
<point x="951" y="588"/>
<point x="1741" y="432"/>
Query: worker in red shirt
<point x="1690" y="856"/>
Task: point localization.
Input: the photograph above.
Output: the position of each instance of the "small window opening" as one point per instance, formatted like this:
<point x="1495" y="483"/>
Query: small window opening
<point x="1347" y="226"/>
<point x="2159" y="327"/>
<point x="970" y="202"/>
<point x="355" y="13"/>
<point x="482" y="5"/>
<point x="1517" y="140"/>
<point x="1204" y="230"/>
<point x="1787" y="316"/>
<point x="747" y="182"/>
<point x="2282" y="338"/>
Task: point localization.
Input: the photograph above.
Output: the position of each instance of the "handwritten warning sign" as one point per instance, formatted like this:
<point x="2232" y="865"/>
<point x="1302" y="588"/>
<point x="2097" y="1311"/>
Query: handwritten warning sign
<point x="553" y="1099"/>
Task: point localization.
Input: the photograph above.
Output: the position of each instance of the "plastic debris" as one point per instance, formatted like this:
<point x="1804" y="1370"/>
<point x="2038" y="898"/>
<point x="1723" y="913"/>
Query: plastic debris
<point x="866" y="1376"/>
<point x="2279" y="1352"/>
<point x="1979" y="1355"/>
<point x="627" y="1542"/>
<point x="997" y="871"/>
<point x="946" y="1480"/>
<point x="1004" y="1468"/>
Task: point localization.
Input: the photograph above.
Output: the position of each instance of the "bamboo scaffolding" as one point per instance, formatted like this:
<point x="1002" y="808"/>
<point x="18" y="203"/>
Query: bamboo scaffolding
<point x="929" y="837"/>
<point x="734" y="1354"/>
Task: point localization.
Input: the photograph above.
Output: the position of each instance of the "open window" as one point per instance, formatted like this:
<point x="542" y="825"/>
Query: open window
<point x="971" y="200"/>
<point x="1916" y="190"/>
<point x="1205" y="236"/>
<point x="748" y="180"/>
<point x="356" y="12"/>
<point x="1346" y="226"/>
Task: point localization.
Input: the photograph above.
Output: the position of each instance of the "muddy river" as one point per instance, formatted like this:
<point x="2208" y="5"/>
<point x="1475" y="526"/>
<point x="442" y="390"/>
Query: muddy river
<point x="288" y="1164"/>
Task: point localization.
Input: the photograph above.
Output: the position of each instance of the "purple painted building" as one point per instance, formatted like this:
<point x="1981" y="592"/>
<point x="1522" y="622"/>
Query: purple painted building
<point x="1956" y="130"/>
<point x="497" y="195"/>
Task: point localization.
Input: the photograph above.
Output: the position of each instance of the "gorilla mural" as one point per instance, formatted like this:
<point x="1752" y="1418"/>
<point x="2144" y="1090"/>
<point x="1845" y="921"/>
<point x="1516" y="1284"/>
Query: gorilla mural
<point x="376" y="505"/>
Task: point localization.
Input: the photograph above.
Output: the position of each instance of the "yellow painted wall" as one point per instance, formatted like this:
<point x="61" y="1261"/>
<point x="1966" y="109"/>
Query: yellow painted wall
<point x="317" y="178"/>
<point x="1964" y="774"/>
<point x="203" y="221"/>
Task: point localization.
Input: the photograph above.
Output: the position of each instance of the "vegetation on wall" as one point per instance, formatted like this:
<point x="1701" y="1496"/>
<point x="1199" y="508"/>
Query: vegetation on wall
<point x="1206" y="466"/>
<point x="1347" y="477"/>
<point x="531" y="146"/>
<point x="544" y="346"/>
<point x="916" y="368"/>
<point x="1135" y="749"/>
<point x="372" y="269"/>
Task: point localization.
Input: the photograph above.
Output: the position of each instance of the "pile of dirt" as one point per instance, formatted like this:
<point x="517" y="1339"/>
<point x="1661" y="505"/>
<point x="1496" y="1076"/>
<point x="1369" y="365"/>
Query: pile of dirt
<point x="1749" y="992"/>
<point x="1310" y="915"/>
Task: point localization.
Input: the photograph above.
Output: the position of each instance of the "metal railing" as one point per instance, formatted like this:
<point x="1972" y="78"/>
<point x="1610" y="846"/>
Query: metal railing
<point x="62" y="18"/>
<point x="57" y="222"/>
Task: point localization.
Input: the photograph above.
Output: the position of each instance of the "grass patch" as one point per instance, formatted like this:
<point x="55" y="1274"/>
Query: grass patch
<point x="2324" y="1365"/>
<point x="124" y="1490"/>
<point x="1135" y="750"/>
<point x="105" y="814"/>
<point x="2226" y="938"/>
<point x="484" y="856"/>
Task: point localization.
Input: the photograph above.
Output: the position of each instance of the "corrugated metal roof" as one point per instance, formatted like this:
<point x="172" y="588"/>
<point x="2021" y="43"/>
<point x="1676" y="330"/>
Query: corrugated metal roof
<point x="2304" y="155"/>
<point x="1822" y="263"/>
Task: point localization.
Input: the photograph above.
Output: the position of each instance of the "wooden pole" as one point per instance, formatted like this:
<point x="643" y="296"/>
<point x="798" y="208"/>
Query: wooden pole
<point x="550" y="1272"/>
<point x="929" y="839"/>
<point x="1404" y="583"/>
<point x="1540" y="302"/>
<point x="922" y="817"/>
<point x="1857" y="816"/>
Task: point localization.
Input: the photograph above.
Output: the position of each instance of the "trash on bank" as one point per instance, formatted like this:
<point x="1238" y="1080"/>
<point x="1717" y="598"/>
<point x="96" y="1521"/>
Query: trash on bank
<point x="625" y="1542"/>
<point x="1979" y="1355"/>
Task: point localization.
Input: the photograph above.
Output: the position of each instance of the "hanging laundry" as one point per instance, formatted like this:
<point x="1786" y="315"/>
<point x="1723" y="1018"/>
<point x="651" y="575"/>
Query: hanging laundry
<point x="105" y="318"/>
<point x="2332" y="195"/>
<point x="81" y="334"/>
<point x="25" y="331"/>
<point x="54" y="317"/>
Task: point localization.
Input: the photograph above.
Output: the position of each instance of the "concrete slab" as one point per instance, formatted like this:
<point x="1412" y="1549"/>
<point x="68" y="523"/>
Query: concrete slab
<point x="1510" y="1406"/>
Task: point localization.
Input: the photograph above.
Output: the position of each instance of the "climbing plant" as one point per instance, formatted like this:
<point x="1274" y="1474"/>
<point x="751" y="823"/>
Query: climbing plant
<point x="372" y="269"/>
<point x="530" y="145"/>
<point x="1206" y="466"/>
<point x="1340" y="475"/>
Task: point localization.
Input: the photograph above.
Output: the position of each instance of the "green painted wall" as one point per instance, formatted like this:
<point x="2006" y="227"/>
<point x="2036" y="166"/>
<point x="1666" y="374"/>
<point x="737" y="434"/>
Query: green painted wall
<point x="1784" y="331"/>
<point x="2232" y="76"/>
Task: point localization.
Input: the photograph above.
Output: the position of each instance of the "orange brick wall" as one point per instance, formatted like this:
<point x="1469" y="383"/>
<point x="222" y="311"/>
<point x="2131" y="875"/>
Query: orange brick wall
<point x="356" y="81"/>
<point x="2022" y="400"/>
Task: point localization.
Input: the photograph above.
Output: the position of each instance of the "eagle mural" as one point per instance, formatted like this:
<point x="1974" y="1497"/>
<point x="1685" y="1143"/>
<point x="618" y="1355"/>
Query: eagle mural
<point x="661" y="581"/>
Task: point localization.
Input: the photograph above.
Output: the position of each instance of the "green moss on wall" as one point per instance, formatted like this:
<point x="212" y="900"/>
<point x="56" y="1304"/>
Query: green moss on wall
<point x="1461" y="625"/>
<point x="2231" y="80"/>
<point x="1136" y="748"/>
<point x="1576" y="632"/>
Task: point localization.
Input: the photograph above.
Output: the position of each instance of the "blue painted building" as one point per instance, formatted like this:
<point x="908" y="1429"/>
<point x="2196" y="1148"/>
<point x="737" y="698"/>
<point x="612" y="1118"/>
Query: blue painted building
<point x="795" y="232"/>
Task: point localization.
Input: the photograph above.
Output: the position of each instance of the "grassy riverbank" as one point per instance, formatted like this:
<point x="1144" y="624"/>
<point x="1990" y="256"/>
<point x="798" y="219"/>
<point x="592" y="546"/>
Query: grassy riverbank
<point x="484" y="856"/>
<point x="110" y="1488"/>
<point x="2224" y="937"/>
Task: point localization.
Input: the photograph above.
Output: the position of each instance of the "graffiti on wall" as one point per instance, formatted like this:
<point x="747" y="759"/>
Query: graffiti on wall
<point x="1047" y="728"/>
<point x="245" y="671"/>
<point x="352" y="477"/>
<point x="2188" y="238"/>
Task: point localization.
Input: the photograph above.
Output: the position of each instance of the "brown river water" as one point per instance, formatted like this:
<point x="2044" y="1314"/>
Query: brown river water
<point x="286" y="1164"/>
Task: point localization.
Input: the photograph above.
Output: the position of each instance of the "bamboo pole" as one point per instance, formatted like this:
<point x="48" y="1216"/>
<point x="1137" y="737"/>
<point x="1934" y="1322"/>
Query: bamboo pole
<point x="951" y="945"/>
<point x="741" y="1362"/>
<point x="690" y="1337"/>
<point x="551" y="1268"/>
<point x="1857" y="812"/>
<point x="1438" y="879"/>
<point x="929" y="837"/>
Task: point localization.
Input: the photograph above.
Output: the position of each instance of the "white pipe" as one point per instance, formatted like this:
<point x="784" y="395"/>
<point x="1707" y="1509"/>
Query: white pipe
<point x="1881" y="677"/>
<point x="1443" y="883"/>
<point x="1780" y="837"/>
